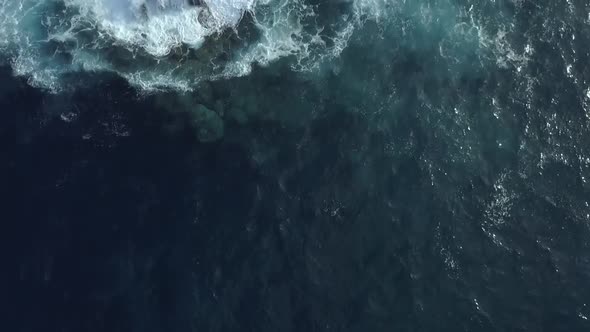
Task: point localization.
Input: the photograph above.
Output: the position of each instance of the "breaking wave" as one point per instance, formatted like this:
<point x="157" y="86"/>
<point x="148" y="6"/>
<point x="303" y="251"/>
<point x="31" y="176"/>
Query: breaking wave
<point x="171" y="44"/>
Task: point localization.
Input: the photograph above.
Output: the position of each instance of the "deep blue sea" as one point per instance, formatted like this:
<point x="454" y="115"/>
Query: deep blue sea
<point x="295" y="165"/>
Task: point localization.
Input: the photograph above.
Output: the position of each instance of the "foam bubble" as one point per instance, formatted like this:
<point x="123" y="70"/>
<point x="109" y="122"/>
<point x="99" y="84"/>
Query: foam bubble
<point x="228" y="12"/>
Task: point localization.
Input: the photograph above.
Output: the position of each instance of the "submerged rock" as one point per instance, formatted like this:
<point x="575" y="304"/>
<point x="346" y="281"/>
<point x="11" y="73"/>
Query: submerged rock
<point x="208" y="123"/>
<point x="205" y="92"/>
<point x="237" y="115"/>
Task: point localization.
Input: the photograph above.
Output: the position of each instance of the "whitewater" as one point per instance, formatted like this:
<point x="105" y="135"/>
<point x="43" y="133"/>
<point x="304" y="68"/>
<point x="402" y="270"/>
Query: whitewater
<point x="169" y="44"/>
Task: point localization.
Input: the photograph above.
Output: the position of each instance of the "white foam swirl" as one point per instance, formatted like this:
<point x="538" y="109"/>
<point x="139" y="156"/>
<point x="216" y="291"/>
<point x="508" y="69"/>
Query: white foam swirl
<point x="166" y="43"/>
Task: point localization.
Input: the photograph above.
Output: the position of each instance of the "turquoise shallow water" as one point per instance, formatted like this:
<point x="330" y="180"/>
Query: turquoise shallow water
<point x="414" y="166"/>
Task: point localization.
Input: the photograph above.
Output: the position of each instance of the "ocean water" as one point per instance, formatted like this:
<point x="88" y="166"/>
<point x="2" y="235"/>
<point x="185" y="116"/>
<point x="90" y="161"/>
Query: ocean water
<point x="296" y="165"/>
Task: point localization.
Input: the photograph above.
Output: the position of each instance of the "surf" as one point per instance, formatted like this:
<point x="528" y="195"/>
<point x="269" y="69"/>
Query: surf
<point x="167" y="44"/>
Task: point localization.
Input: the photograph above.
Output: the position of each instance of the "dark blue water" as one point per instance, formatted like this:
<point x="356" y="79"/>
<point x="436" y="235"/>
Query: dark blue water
<point x="432" y="177"/>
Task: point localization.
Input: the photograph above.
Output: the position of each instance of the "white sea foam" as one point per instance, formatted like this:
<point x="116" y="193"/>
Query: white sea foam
<point x="168" y="43"/>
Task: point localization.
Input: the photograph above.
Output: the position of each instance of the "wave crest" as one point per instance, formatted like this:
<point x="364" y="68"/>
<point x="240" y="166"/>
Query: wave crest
<point x="169" y="44"/>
